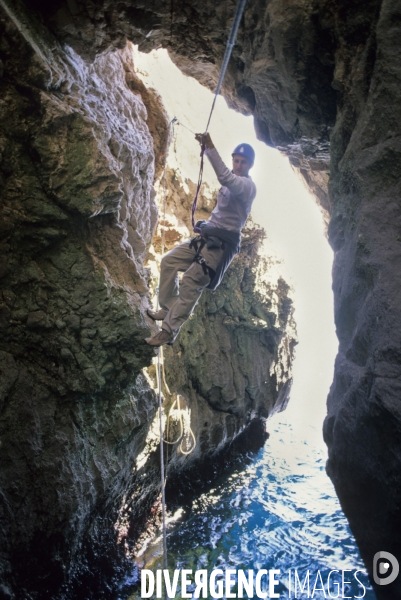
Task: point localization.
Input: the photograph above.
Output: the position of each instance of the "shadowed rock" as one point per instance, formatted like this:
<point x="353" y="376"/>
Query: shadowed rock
<point x="311" y="73"/>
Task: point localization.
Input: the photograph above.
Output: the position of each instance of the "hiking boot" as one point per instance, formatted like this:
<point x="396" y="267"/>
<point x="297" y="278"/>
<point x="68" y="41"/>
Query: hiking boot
<point x="158" y="315"/>
<point x="163" y="337"/>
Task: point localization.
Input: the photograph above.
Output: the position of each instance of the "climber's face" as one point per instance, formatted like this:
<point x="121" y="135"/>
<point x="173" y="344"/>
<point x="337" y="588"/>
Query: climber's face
<point x="241" y="165"/>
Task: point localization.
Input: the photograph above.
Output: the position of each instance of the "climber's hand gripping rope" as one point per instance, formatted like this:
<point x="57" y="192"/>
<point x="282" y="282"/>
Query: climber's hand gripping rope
<point x="205" y="140"/>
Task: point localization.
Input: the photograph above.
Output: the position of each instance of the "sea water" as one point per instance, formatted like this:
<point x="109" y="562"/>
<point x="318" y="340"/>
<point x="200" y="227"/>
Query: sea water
<point x="276" y="510"/>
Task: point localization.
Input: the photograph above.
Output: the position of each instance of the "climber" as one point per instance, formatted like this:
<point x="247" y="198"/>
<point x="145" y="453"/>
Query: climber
<point x="206" y="257"/>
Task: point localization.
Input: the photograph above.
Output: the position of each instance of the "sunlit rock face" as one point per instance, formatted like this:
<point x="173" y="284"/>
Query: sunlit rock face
<point x="281" y="69"/>
<point x="81" y="142"/>
<point x="77" y="165"/>
<point x="231" y="364"/>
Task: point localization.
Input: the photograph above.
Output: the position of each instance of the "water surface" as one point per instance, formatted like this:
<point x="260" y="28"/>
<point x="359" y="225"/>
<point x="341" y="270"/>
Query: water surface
<point x="277" y="512"/>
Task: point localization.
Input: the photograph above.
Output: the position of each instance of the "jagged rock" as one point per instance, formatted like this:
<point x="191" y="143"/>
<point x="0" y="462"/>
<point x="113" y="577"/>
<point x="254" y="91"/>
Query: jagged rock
<point x="301" y="68"/>
<point x="78" y="215"/>
<point x="79" y="472"/>
<point x="231" y="363"/>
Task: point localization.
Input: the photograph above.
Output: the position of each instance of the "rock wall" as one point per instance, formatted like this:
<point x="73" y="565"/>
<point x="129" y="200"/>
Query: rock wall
<point x="77" y="217"/>
<point x="81" y="142"/>
<point x="314" y="72"/>
<point x="363" y="426"/>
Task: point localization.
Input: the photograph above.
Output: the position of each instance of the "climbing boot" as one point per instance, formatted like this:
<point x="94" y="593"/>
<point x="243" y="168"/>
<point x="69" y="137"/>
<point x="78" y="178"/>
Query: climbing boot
<point x="158" y="315"/>
<point x="163" y="337"/>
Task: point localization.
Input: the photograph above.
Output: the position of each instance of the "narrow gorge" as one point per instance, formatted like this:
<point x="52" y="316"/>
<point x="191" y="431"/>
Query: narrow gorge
<point x="82" y="149"/>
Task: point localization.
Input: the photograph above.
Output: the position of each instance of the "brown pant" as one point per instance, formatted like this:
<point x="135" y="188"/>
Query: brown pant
<point x="180" y="300"/>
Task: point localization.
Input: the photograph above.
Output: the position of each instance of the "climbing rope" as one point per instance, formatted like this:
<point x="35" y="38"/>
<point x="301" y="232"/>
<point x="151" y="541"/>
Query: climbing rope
<point x="165" y="565"/>
<point x="188" y="441"/>
<point x="176" y="415"/>
<point x="160" y="371"/>
<point x="177" y="122"/>
<point x="230" y="44"/>
<point x="182" y="416"/>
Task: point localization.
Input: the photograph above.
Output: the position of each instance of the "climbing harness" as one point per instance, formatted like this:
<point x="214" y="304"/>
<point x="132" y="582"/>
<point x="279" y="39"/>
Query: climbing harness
<point x="230" y="44"/>
<point x="198" y="243"/>
<point x="188" y="441"/>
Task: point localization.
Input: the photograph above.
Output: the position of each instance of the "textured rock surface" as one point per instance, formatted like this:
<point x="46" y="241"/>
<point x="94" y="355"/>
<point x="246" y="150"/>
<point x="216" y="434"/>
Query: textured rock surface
<point x="79" y="469"/>
<point x="78" y="214"/>
<point x="363" y="427"/>
<point x="232" y="362"/>
<point x="303" y="67"/>
<point x="281" y="70"/>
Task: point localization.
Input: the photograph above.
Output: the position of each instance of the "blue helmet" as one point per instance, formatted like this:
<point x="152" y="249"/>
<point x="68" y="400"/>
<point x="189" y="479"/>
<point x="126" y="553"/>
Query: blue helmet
<point x="245" y="150"/>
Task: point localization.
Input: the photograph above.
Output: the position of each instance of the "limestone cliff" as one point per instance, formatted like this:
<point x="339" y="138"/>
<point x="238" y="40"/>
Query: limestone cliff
<point x="313" y="72"/>
<point x="81" y="142"/>
<point x="77" y="216"/>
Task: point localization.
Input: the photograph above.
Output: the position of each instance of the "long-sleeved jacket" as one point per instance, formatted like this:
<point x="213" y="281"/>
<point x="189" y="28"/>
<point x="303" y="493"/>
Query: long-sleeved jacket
<point x="235" y="198"/>
<point x="233" y="206"/>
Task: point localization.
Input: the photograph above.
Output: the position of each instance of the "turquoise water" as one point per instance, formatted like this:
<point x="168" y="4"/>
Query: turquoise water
<point x="279" y="511"/>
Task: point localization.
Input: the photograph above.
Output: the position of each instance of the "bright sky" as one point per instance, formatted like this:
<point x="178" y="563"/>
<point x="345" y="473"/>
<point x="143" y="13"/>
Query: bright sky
<point x="283" y="206"/>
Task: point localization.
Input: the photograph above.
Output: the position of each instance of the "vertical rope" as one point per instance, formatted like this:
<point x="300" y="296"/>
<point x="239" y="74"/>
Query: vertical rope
<point x="230" y="44"/>
<point x="162" y="480"/>
<point x="159" y="370"/>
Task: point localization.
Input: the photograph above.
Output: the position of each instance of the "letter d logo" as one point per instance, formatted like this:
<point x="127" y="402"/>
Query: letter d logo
<point x="385" y="568"/>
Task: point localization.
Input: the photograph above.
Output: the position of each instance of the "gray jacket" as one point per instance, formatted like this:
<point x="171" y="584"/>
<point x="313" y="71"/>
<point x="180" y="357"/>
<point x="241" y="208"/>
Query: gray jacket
<point x="235" y="198"/>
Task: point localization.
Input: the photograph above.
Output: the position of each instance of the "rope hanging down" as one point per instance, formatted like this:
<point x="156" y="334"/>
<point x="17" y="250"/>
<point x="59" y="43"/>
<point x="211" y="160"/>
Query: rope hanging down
<point x="159" y="373"/>
<point x="230" y="44"/>
<point x="187" y="437"/>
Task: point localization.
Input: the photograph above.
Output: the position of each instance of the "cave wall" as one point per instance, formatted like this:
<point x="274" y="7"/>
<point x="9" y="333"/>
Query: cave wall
<point x="312" y="73"/>
<point x="363" y="425"/>
<point x="81" y="143"/>
<point x="77" y="216"/>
